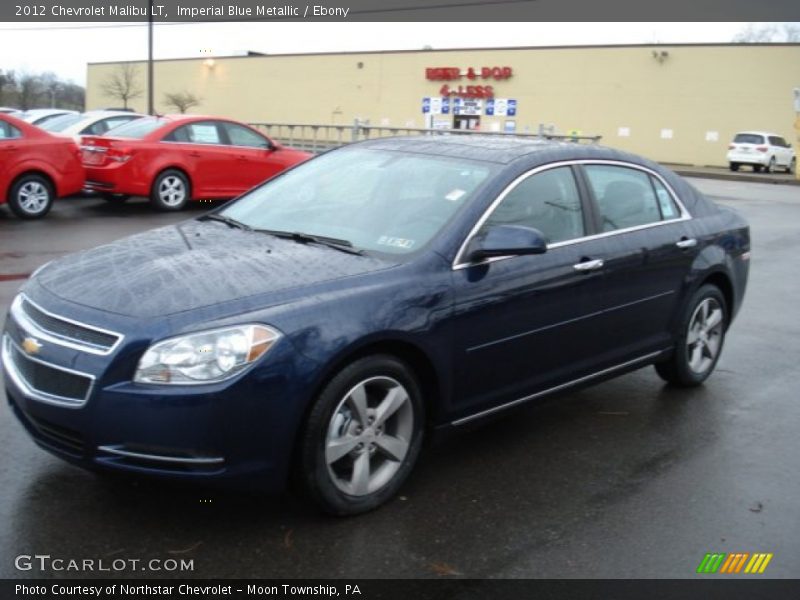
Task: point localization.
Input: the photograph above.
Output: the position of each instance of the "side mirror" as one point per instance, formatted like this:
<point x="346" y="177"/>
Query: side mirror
<point x="506" y="240"/>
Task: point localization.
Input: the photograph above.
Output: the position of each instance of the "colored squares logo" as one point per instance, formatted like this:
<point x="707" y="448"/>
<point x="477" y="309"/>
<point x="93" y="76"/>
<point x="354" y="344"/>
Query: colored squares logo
<point x="736" y="562"/>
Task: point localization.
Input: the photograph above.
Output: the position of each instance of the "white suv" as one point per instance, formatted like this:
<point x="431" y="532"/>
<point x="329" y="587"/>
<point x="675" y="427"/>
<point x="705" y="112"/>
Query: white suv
<point x="761" y="149"/>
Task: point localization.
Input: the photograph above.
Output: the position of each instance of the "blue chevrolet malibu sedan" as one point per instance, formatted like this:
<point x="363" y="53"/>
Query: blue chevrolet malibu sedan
<point x="322" y="324"/>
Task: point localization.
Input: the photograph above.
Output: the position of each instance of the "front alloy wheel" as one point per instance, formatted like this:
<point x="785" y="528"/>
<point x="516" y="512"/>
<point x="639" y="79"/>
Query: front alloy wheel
<point x="31" y="197"/>
<point x="363" y="436"/>
<point x="698" y="347"/>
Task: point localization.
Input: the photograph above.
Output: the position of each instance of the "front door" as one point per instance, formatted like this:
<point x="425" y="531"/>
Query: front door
<point x="521" y="322"/>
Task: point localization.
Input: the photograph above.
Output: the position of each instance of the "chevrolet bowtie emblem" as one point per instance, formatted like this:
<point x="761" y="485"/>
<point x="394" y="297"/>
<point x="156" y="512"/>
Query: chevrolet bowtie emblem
<point x="31" y="345"/>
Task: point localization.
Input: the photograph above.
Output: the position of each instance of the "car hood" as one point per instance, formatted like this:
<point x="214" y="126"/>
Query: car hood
<point x="192" y="265"/>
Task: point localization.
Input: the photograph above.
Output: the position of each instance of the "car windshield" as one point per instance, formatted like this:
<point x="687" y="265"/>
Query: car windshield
<point x="138" y="128"/>
<point x="748" y="138"/>
<point x="377" y="200"/>
<point x="60" y="123"/>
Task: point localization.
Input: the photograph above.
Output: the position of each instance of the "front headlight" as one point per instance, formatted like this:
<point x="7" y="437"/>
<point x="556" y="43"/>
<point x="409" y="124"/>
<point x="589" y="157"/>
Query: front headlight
<point x="205" y="357"/>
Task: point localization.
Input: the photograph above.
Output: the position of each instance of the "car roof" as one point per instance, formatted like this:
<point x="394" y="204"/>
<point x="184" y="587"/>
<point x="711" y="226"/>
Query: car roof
<point x="757" y="133"/>
<point x="501" y="149"/>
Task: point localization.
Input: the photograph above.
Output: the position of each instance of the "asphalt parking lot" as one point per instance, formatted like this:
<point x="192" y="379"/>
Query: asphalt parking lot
<point x="628" y="479"/>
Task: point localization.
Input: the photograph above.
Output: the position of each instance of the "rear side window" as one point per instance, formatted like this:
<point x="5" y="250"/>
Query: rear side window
<point x="9" y="132"/>
<point x="625" y="197"/>
<point x="547" y="201"/>
<point x="196" y="133"/>
<point x="777" y="141"/>
<point x="748" y="138"/>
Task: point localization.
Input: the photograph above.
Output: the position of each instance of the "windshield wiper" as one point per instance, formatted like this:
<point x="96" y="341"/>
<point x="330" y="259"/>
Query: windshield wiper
<point x="223" y="219"/>
<point x="307" y="238"/>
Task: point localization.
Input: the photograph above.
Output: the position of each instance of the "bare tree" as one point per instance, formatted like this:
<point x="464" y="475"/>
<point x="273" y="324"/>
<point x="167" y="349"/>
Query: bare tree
<point x="182" y="101"/>
<point x="766" y="34"/>
<point x="29" y="90"/>
<point x="8" y="83"/>
<point x="123" y="84"/>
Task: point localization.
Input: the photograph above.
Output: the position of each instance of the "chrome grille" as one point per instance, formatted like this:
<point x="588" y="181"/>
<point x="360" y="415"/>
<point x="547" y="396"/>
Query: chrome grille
<point x="61" y="330"/>
<point x="43" y="380"/>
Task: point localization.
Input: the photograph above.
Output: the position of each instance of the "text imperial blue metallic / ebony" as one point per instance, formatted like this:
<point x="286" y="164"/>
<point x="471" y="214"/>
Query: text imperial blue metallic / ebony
<point x="321" y="324"/>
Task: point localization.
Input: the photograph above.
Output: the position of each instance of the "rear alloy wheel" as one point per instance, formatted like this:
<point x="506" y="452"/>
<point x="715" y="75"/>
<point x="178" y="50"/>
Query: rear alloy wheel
<point x="699" y="345"/>
<point x="734" y="166"/>
<point x="770" y="166"/>
<point x="363" y="436"/>
<point x="31" y="197"/>
<point x="170" y="191"/>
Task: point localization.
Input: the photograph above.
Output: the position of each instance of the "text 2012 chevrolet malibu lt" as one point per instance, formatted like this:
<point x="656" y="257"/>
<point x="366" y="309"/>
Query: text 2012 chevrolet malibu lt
<point x="321" y="324"/>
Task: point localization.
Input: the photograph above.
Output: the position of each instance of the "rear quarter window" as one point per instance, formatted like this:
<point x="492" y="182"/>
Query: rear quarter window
<point x="9" y="132"/>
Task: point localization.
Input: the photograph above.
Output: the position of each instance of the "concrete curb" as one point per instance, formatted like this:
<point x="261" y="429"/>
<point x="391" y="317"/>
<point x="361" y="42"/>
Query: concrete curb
<point x="724" y="175"/>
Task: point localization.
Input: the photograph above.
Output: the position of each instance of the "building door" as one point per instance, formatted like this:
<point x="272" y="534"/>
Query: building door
<point x="466" y="122"/>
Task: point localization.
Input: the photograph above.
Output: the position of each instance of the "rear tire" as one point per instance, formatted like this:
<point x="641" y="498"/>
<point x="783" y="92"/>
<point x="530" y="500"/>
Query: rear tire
<point x="362" y="437"/>
<point x="699" y="344"/>
<point x="31" y="196"/>
<point x="757" y="168"/>
<point x="734" y="166"/>
<point x="170" y="191"/>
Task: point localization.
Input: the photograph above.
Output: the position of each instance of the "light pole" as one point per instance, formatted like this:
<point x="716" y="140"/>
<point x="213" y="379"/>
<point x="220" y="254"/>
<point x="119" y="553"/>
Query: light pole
<point x="150" y="110"/>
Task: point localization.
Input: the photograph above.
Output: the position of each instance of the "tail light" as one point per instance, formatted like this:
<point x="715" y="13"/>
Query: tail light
<point x="762" y="148"/>
<point x="121" y="155"/>
<point x="731" y="146"/>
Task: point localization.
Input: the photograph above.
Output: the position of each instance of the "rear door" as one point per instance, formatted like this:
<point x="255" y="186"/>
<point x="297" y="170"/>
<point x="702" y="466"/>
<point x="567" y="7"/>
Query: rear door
<point x="647" y="254"/>
<point x="11" y="146"/>
<point x="783" y="152"/>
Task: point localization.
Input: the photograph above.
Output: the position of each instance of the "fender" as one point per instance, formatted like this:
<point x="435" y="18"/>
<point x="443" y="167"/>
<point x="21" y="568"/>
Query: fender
<point x="27" y="165"/>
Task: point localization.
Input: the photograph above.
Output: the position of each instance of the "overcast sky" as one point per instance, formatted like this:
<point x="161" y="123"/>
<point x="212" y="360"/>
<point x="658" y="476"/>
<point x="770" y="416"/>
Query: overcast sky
<point x="65" y="48"/>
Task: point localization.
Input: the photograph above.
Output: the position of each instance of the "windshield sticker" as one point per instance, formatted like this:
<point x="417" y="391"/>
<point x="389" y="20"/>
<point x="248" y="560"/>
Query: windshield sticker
<point x="455" y="195"/>
<point x="385" y="240"/>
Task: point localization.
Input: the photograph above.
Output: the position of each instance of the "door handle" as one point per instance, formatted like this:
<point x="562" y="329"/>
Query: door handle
<point x="686" y="243"/>
<point x="9" y="148"/>
<point x="589" y="265"/>
<point x="194" y="154"/>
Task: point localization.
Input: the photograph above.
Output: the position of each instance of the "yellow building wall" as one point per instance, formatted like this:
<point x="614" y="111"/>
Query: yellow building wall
<point x="596" y="90"/>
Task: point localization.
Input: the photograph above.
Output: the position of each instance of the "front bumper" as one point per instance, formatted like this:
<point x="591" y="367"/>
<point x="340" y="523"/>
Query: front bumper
<point x="239" y="432"/>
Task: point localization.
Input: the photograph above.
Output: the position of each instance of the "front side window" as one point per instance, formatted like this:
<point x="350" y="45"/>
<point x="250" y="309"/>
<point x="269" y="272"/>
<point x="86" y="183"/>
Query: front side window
<point x="379" y="200"/>
<point x="242" y="136"/>
<point x="625" y="197"/>
<point x="547" y="201"/>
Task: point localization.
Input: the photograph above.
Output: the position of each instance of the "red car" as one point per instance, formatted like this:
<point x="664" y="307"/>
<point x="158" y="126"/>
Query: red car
<point x="177" y="158"/>
<point x="35" y="168"/>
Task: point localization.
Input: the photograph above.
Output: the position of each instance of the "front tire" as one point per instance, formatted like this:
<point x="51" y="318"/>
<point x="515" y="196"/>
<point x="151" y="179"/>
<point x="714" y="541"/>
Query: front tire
<point x="31" y="197"/>
<point x="792" y="166"/>
<point x="362" y="437"/>
<point x="699" y="344"/>
<point x="170" y="191"/>
<point x="770" y="166"/>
